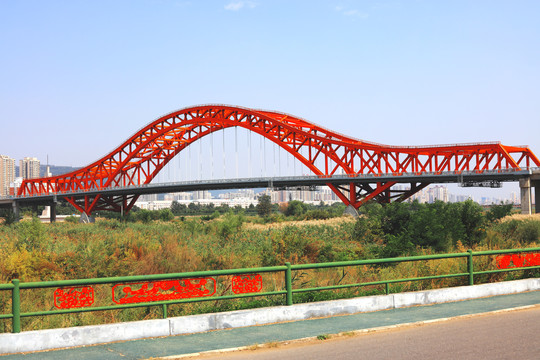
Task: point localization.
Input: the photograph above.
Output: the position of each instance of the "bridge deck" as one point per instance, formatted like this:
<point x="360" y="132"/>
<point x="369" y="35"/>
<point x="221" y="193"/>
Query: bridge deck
<point x="278" y="182"/>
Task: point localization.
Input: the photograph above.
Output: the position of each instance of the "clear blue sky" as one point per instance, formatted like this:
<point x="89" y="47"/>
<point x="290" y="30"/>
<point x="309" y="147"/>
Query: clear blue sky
<point x="78" y="77"/>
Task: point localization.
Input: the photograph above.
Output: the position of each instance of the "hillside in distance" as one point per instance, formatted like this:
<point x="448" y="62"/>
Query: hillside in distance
<point x="55" y="169"/>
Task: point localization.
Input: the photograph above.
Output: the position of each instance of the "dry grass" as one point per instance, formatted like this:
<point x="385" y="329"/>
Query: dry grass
<point x="521" y="217"/>
<point x="330" y="222"/>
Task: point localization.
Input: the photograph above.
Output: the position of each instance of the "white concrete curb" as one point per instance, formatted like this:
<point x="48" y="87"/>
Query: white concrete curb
<point x="90" y="335"/>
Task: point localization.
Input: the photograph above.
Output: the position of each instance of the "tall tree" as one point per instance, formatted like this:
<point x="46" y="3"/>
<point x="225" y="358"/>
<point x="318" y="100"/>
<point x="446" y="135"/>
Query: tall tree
<point x="178" y="208"/>
<point x="264" y="205"/>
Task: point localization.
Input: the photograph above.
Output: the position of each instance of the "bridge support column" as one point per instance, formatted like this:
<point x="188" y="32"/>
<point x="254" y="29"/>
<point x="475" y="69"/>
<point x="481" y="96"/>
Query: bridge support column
<point x="52" y="218"/>
<point x="85" y="218"/>
<point x="352" y="195"/>
<point x="350" y="210"/>
<point x="536" y="185"/>
<point x="16" y="211"/>
<point x="526" y="198"/>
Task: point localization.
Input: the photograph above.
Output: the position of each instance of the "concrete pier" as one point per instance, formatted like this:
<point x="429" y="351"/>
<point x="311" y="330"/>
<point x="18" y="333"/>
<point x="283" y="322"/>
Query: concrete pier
<point x="16" y="210"/>
<point x="53" y="212"/>
<point x="536" y="185"/>
<point x="526" y="199"/>
<point x="50" y="212"/>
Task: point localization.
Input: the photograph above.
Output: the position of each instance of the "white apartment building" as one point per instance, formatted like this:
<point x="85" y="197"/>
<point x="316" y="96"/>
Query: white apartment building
<point x="439" y="193"/>
<point x="321" y="193"/>
<point x="29" y="168"/>
<point x="240" y="194"/>
<point x="202" y="195"/>
<point x="7" y="174"/>
<point x="431" y="194"/>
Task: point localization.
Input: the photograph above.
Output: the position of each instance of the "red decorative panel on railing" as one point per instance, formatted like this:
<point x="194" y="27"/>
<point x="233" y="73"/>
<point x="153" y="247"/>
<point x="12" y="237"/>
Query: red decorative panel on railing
<point x="163" y="290"/>
<point x="75" y="297"/>
<point x="518" y="260"/>
<point x="244" y="284"/>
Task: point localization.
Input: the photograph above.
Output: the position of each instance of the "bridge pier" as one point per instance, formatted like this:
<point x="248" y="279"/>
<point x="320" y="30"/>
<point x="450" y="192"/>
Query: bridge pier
<point x="536" y="185"/>
<point x="526" y="198"/>
<point x="527" y="185"/>
<point x="52" y="217"/>
<point x="16" y="210"/>
<point x="86" y="219"/>
<point x="350" y="210"/>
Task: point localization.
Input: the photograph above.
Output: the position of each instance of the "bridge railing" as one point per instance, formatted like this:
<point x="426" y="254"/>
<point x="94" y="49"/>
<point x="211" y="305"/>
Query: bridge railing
<point x="164" y="290"/>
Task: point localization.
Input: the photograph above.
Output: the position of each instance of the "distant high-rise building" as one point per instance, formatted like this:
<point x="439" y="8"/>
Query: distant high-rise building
<point x="201" y="195"/>
<point x="148" y="197"/>
<point x="29" y="168"/>
<point x="514" y="198"/>
<point x="440" y="193"/>
<point x="7" y="173"/>
<point x="47" y="172"/>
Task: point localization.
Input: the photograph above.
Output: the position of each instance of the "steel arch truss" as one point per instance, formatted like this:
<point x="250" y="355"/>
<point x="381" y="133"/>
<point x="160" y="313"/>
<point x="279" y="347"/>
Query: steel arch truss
<point x="140" y="158"/>
<point x="382" y="192"/>
<point x="118" y="203"/>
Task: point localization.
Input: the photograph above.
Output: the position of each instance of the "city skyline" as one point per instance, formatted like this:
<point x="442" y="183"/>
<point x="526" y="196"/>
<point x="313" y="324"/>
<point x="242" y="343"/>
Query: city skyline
<point x="246" y="197"/>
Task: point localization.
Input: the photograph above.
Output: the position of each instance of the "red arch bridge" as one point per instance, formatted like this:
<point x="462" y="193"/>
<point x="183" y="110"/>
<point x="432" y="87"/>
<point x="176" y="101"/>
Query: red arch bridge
<point x="357" y="171"/>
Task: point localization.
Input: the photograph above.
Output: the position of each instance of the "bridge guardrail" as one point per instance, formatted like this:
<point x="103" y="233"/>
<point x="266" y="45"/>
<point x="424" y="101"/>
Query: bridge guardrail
<point x="77" y="296"/>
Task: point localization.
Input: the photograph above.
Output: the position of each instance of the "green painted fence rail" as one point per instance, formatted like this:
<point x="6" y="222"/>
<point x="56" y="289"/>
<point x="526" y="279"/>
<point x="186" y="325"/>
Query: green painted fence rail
<point x="16" y="286"/>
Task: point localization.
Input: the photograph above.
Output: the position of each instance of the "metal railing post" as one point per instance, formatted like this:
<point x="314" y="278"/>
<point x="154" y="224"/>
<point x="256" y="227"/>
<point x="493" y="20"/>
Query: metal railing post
<point x="16" y="306"/>
<point x="288" y="283"/>
<point x="164" y="311"/>
<point x="470" y="268"/>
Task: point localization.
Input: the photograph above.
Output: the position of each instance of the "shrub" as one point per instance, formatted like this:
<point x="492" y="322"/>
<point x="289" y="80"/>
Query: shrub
<point x="528" y="231"/>
<point x="473" y="221"/>
<point x="497" y="212"/>
<point x="9" y="217"/>
<point x="144" y="215"/>
<point x="166" y="215"/>
<point x="31" y="234"/>
<point x="317" y="215"/>
<point x="229" y="225"/>
<point x="71" y="219"/>
<point x="295" y="208"/>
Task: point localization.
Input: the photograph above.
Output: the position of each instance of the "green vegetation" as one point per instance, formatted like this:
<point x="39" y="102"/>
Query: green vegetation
<point x="201" y="209"/>
<point x="157" y="242"/>
<point x="8" y="217"/>
<point x="269" y="212"/>
<point x="151" y="242"/>
<point x="403" y="228"/>
<point x="264" y="206"/>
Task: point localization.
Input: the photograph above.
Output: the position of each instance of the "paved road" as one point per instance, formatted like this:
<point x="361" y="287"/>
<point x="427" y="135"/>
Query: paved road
<point x="238" y="337"/>
<point x="506" y="335"/>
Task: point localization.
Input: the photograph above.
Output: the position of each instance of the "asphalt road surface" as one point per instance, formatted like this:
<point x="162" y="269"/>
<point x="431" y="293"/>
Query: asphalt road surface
<point x="505" y="335"/>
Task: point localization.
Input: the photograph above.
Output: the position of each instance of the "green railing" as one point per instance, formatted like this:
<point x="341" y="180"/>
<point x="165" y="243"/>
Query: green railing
<point x="288" y="291"/>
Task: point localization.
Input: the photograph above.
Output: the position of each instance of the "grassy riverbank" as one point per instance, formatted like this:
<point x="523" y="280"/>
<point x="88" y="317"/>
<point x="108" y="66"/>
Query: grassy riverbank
<point x="32" y="251"/>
